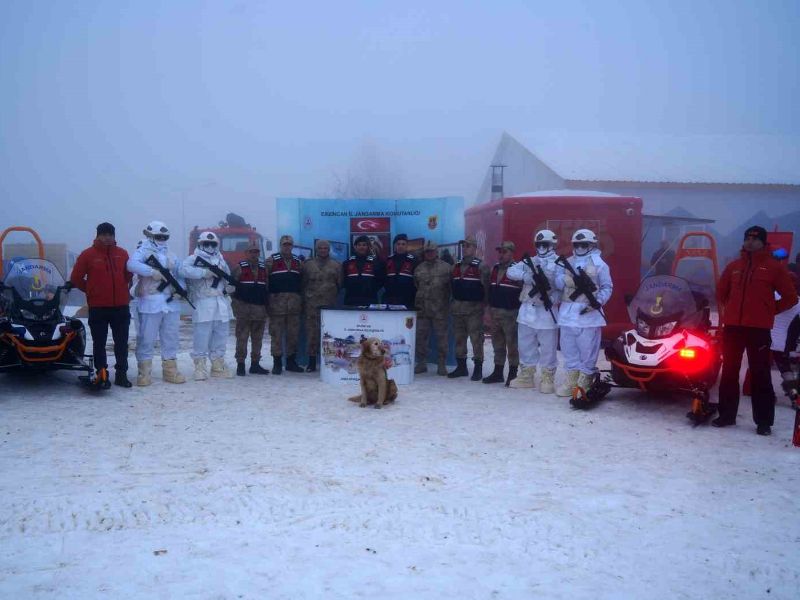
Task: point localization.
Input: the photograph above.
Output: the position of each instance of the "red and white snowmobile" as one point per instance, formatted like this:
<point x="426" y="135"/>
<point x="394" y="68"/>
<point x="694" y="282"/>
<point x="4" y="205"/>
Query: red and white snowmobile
<point x="670" y="349"/>
<point x="34" y="333"/>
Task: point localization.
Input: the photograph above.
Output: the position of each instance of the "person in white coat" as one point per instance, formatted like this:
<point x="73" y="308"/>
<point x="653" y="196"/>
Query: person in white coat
<point x="158" y="311"/>
<point x="213" y="308"/>
<point x="537" y="329"/>
<point x="580" y="323"/>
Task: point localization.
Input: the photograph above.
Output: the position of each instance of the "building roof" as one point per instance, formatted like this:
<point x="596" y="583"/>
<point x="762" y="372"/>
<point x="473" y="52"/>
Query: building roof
<point x="661" y="158"/>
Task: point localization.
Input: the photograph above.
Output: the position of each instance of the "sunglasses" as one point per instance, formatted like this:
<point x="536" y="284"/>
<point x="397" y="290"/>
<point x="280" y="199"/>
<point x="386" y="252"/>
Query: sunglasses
<point x="160" y="237"/>
<point x="580" y="244"/>
<point x="543" y="244"/>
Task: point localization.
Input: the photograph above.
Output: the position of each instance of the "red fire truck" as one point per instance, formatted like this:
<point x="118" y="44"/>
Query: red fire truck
<point x="616" y="220"/>
<point x="234" y="235"/>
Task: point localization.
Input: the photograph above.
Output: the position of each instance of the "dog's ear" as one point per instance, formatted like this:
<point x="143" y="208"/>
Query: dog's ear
<point x="365" y="347"/>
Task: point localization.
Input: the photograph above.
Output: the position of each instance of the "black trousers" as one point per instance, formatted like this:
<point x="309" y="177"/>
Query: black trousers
<point x="119" y="319"/>
<point x="756" y="342"/>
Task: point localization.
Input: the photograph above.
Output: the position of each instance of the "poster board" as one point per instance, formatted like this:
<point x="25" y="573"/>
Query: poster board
<point x="342" y="331"/>
<point x="308" y="219"/>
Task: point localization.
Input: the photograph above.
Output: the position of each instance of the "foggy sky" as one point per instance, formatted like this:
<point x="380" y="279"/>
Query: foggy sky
<point x="128" y="111"/>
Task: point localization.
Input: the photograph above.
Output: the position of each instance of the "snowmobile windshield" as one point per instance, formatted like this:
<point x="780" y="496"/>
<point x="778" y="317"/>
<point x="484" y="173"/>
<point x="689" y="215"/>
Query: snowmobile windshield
<point x="32" y="290"/>
<point x="662" y="305"/>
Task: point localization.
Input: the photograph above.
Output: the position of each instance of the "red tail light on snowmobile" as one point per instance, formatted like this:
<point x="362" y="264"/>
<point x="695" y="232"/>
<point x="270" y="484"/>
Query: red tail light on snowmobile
<point x="690" y="360"/>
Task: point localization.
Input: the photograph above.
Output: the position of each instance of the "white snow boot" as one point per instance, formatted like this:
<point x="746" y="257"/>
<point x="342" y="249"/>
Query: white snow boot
<point x="524" y="378"/>
<point x="547" y="381"/>
<point x="220" y="369"/>
<point x="200" y="368"/>
<point x="144" y="377"/>
<point x="170" y="373"/>
<point x="565" y="390"/>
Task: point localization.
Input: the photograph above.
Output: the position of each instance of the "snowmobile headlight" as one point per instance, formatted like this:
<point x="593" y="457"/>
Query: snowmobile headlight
<point x="642" y="328"/>
<point x="48" y="314"/>
<point x="664" y="329"/>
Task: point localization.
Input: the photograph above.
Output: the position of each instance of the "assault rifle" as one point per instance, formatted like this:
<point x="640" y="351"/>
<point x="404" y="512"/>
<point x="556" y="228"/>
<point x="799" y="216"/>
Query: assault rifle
<point x="220" y="274"/>
<point x="541" y="285"/>
<point x="152" y="261"/>
<point x="583" y="286"/>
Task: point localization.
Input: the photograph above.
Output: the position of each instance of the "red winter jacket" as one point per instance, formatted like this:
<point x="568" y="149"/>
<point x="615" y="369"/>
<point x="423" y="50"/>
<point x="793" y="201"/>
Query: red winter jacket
<point x="746" y="290"/>
<point x="100" y="271"/>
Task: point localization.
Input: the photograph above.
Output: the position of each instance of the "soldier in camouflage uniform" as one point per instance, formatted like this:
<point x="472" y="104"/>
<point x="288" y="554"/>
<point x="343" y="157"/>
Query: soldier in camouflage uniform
<point x="503" y="309"/>
<point x="285" y="305"/>
<point x="322" y="280"/>
<point x="470" y="284"/>
<point x="432" y="279"/>
<point x="250" y="309"/>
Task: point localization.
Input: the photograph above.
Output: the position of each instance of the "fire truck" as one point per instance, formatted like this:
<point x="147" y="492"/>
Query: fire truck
<point x="234" y="235"/>
<point x="616" y="220"/>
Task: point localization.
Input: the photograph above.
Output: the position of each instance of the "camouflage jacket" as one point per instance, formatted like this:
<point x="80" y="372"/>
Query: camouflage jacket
<point x="322" y="280"/>
<point x="432" y="279"/>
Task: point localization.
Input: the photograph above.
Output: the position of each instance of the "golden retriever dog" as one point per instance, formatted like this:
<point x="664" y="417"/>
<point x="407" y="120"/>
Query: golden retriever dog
<point x="376" y="387"/>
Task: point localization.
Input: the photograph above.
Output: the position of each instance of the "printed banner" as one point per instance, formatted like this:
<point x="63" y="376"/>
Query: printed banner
<point x="344" y="330"/>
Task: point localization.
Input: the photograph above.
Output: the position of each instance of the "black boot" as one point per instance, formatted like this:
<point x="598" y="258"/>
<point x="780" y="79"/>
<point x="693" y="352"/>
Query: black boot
<point x="256" y="369"/>
<point x="121" y="379"/>
<point x="291" y="364"/>
<point x="461" y="369"/>
<point x="496" y="376"/>
<point x="277" y="364"/>
<point x="101" y="381"/>
<point x="312" y="364"/>
<point x="240" y="369"/>
<point x="512" y="374"/>
<point x="477" y="371"/>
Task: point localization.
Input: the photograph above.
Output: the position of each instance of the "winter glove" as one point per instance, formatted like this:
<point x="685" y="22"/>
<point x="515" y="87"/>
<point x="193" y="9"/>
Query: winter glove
<point x="157" y="276"/>
<point x="209" y="274"/>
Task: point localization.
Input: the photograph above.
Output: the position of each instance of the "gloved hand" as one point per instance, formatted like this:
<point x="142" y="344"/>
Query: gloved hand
<point x="209" y="274"/>
<point x="230" y="289"/>
<point x="157" y="276"/>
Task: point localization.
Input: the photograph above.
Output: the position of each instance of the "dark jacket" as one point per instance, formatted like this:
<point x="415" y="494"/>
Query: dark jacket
<point x="503" y="292"/>
<point x="363" y="278"/>
<point x="101" y="273"/>
<point x="399" y="285"/>
<point x="746" y="290"/>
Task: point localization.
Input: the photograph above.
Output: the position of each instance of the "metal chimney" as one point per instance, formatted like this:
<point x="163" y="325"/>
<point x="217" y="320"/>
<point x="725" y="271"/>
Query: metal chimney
<point x="497" y="182"/>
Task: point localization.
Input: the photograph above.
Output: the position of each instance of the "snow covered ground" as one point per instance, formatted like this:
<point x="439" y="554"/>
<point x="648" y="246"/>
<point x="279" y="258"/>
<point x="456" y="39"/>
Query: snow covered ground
<point x="277" y="487"/>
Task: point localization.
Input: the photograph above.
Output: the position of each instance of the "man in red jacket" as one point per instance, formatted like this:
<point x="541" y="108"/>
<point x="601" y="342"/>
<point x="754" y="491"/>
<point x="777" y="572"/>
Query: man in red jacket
<point x="746" y="298"/>
<point x="101" y="273"/>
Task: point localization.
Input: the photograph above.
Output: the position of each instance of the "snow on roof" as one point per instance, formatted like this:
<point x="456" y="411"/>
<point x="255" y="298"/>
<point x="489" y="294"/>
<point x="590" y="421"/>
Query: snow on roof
<point x="733" y="159"/>
<point x="564" y="193"/>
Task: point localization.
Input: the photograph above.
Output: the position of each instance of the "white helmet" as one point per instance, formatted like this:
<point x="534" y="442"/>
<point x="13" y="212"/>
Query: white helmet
<point x="208" y="242"/>
<point x="584" y="236"/>
<point x="545" y="242"/>
<point x="156" y="228"/>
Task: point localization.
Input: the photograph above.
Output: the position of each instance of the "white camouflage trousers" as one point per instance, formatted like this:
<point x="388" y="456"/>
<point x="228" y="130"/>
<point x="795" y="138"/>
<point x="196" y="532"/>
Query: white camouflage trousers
<point x="161" y="325"/>
<point x="537" y="347"/>
<point x="209" y="340"/>
<point x="580" y="347"/>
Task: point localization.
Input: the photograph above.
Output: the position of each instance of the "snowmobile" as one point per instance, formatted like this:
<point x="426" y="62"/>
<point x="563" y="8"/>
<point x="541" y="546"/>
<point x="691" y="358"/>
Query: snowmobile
<point x="34" y="333"/>
<point x="670" y="349"/>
